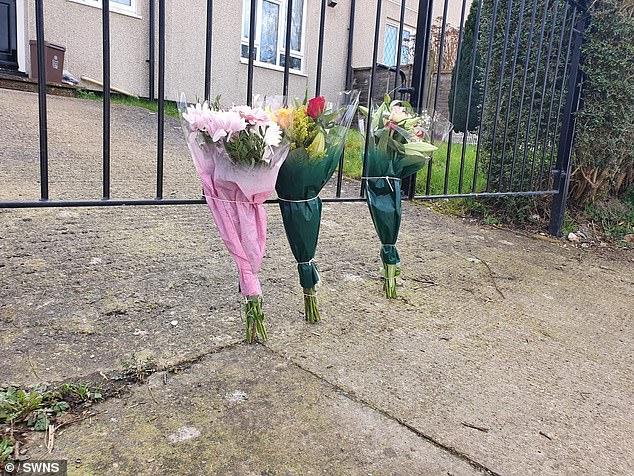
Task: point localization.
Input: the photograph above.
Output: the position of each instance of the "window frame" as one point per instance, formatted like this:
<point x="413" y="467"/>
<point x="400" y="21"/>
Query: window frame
<point x="281" y="31"/>
<point x="114" y="6"/>
<point x="406" y="28"/>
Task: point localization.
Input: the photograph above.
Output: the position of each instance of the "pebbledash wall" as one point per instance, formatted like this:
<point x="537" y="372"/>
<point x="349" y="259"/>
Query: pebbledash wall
<point x="76" y="25"/>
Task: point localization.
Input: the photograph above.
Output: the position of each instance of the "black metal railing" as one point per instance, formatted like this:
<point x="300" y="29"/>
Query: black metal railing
<point x="524" y="66"/>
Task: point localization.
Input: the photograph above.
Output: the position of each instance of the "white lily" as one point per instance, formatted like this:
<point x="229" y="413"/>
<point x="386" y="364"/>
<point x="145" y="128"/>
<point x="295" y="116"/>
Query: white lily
<point x="419" y="148"/>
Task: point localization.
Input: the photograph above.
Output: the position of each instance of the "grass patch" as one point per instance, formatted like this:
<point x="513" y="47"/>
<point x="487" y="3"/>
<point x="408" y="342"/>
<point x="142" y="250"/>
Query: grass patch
<point x="40" y="407"/>
<point x="37" y="408"/>
<point x="171" y="108"/>
<point x="6" y="448"/>
<point x="614" y="216"/>
<point x="353" y="167"/>
<point x="34" y="408"/>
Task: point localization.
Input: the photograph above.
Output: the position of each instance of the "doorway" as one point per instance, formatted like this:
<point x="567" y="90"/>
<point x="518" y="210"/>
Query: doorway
<point x="8" y="35"/>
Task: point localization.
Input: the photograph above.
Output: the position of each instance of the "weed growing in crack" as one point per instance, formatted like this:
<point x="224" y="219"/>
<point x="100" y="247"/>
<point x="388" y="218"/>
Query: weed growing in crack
<point x="6" y="448"/>
<point x="138" y="370"/>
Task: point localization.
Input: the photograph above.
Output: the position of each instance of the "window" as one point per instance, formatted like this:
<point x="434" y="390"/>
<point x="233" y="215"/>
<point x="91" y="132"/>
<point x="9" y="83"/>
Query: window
<point x="120" y="6"/>
<point x="270" y="33"/>
<point x="389" y="45"/>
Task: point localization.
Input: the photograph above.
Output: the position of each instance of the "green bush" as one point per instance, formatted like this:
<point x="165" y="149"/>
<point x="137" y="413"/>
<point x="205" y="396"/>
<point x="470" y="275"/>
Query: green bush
<point x="603" y="162"/>
<point x="604" y="150"/>
<point x="461" y="82"/>
<point x="519" y="132"/>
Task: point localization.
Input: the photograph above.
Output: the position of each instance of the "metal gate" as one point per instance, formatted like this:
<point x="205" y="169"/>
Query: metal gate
<point x="523" y="87"/>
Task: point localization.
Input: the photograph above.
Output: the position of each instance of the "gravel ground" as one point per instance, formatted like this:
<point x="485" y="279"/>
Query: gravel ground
<point x="504" y="352"/>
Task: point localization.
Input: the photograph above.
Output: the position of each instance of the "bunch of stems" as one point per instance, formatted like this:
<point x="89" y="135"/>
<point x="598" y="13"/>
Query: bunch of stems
<point x="255" y="320"/>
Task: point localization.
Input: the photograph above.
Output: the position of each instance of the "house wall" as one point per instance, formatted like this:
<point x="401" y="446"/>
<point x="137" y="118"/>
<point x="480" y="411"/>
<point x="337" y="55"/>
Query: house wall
<point x="186" y="49"/>
<point x="365" y="21"/>
<point x="77" y="27"/>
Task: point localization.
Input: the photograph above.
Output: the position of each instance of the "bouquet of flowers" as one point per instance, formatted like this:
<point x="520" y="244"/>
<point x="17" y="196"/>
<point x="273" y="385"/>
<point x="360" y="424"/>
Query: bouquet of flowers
<point x="398" y="146"/>
<point x="238" y="153"/>
<point x="317" y="133"/>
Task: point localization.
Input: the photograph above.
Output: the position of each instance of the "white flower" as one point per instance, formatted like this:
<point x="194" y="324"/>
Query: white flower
<point x="272" y="134"/>
<point x="398" y="113"/>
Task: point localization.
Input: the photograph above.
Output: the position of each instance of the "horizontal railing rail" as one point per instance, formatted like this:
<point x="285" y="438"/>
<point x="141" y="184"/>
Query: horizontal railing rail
<point x="511" y="95"/>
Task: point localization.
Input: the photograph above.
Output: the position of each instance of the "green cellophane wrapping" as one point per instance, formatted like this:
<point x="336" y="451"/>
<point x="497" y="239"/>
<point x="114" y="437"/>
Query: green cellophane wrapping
<point x="302" y="178"/>
<point x="385" y="168"/>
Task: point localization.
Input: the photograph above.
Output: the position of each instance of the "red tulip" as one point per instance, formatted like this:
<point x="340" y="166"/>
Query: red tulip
<point x="316" y="106"/>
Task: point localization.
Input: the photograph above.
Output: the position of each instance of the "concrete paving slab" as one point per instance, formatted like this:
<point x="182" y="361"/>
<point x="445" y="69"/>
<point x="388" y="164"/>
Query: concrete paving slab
<point x="244" y="411"/>
<point x="514" y="351"/>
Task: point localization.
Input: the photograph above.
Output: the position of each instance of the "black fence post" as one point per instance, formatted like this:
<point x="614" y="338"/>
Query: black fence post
<point x="287" y="48"/>
<point x="252" y="25"/>
<point x="208" y="48"/>
<point x="421" y="52"/>
<point x="105" y="12"/>
<point x="151" y="52"/>
<point x="320" y="48"/>
<point x="41" y="90"/>
<point x="419" y="73"/>
<point x="349" y="72"/>
<point x="368" y="125"/>
<point x="564" y="152"/>
<point x="349" y="80"/>
<point x="161" y="101"/>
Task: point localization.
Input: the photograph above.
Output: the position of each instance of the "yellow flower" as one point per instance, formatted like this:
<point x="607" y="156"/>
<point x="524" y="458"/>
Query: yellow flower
<point x="301" y="125"/>
<point x="284" y="117"/>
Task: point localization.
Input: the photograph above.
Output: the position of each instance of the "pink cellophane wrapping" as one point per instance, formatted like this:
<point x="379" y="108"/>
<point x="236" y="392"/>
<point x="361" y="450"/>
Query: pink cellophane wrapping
<point x="235" y="196"/>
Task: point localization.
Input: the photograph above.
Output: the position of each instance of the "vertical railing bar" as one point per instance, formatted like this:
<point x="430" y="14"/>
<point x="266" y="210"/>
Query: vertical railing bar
<point x="320" y="48"/>
<point x="544" y="86"/>
<point x="349" y="52"/>
<point x="534" y="88"/>
<point x="161" y="101"/>
<point x="552" y="93"/>
<point x="441" y="51"/>
<point x="208" y="48"/>
<point x="425" y="85"/>
<point x="252" y="13"/>
<point x="484" y="94"/>
<point x="368" y="125"/>
<point x="563" y="89"/>
<point x="422" y="45"/>
<point x="105" y="25"/>
<point x="474" y="55"/>
<point x="421" y="92"/>
<point x="348" y="87"/>
<point x="41" y="91"/>
<point x="519" y="111"/>
<point x="453" y="107"/>
<point x="287" y="47"/>
<point x="399" y="46"/>
<point x="152" y="54"/>
<point x="507" y="29"/>
<point x="510" y="101"/>
<point x="564" y="150"/>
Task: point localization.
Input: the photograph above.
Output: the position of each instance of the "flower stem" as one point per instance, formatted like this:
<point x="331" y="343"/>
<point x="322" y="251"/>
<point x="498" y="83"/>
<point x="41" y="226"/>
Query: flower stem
<point x="311" y="311"/>
<point x="391" y="271"/>
<point x="255" y="320"/>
